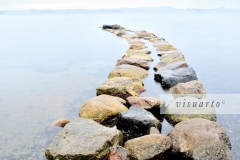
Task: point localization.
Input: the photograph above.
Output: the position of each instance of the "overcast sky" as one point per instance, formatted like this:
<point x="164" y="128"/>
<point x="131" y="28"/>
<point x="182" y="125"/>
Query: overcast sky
<point x="97" y="4"/>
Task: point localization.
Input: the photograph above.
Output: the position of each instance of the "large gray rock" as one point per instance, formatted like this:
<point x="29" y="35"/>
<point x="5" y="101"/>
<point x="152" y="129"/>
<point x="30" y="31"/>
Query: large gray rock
<point x="122" y="87"/>
<point x="200" y="139"/>
<point x="170" y="66"/>
<point x="134" y="61"/>
<point x="149" y="147"/>
<point x="189" y="107"/>
<point x="170" y="78"/>
<point x="126" y="70"/>
<point x="137" y="121"/>
<point x="83" y="139"/>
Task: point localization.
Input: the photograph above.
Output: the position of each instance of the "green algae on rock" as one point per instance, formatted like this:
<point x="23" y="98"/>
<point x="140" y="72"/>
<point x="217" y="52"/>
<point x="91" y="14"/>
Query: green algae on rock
<point x="102" y="108"/>
<point x="122" y="87"/>
<point x="126" y="70"/>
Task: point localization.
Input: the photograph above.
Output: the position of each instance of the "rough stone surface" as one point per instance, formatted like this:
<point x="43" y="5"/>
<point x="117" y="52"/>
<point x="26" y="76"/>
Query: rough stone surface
<point x="141" y="56"/>
<point x="176" y="112"/>
<point x="153" y="130"/>
<point x="119" y="153"/>
<point x="170" y="58"/>
<point x="200" y="139"/>
<point x="126" y="70"/>
<point x="193" y="88"/>
<point x="134" y="61"/>
<point x="170" y="78"/>
<point x="167" y="47"/>
<point x="83" y="139"/>
<point x="149" y="147"/>
<point x="102" y="108"/>
<point x="122" y="87"/>
<point x="147" y="103"/>
<point x="142" y="51"/>
<point x="171" y="66"/>
<point x="137" y="46"/>
<point x="61" y="122"/>
<point x="137" y="120"/>
<point x="169" y="52"/>
<point x="142" y="34"/>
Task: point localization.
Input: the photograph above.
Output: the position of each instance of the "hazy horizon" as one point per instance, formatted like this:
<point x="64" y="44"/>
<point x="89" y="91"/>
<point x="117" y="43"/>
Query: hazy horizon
<point x="108" y="4"/>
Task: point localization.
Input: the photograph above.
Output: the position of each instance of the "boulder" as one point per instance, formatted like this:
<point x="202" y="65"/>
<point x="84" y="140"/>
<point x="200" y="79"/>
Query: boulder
<point x="122" y="87"/>
<point x="83" y="139"/>
<point x="193" y="88"/>
<point x="147" y="103"/>
<point x="137" y="46"/>
<point x="200" y="139"/>
<point x="155" y="39"/>
<point x="169" y="52"/>
<point x="174" y="57"/>
<point x="136" y="41"/>
<point x="142" y="34"/>
<point x="137" y="121"/>
<point x="61" y="122"/>
<point x="153" y="130"/>
<point x="170" y="78"/>
<point x="119" y="153"/>
<point x="149" y="147"/>
<point x="134" y="61"/>
<point x="102" y="108"/>
<point x="166" y="47"/>
<point x="141" y="56"/>
<point x="142" y="51"/>
<point x="126" y="70"/>
<point x="170" y="66"/>
<point x="187" y="108"/>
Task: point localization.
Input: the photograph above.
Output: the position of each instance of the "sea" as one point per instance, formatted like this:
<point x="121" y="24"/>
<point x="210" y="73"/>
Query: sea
<point x="50" y="63"/>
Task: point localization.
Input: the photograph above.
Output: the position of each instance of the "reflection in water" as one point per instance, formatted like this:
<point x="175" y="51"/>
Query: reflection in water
<point x="51" y="64"/>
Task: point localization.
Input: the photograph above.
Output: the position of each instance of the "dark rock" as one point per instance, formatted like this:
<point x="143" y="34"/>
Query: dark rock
<point x="136" y="122"/>
<point x="134" y="61"/>
<point x="153" y="130"/>
<point x="176" y="111"/>
<point x="83" y="139"/>
<point x="170" y="78"/>
<point x="115" y="26"/>
<point x="122" y="87"/>
<point x="149" y="147"/>
<point x="200" y="139"/>
<point x="118" y="153"/>
<point x="170" y="66"/>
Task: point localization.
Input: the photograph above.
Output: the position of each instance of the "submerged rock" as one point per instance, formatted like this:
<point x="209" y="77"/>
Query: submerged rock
<point x="148" y="103"/>
<point x="102" y="108"/>
<point x="137" y="46"/>
<point x="170" y="78"/>
<point x="119" y="153"/>
<point x="83" y="139"/>
<point x="61" y="122"/>
<point x="174" y="57"/>
<point x="170" y="66"/>
<point x="200" y="139"/>
<point x="126" y="70"/>
<point x="134" y="61"/>
<point x="149" y="147"/>
<point x="187" y="108"/>
<point x="136" y="55"/>
<point x="137" y="121"/>
<point x="193" y="88"/>
<point x="122" y="87"/>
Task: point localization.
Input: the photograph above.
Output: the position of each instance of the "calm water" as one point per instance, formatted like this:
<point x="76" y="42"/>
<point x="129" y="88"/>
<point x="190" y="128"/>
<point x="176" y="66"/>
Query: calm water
<point x="51" y="63"/>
